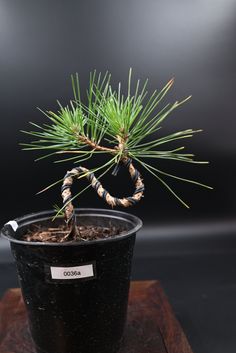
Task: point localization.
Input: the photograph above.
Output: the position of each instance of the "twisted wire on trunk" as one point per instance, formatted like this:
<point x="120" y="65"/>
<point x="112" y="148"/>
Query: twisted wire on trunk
<point x="103" y="193"/>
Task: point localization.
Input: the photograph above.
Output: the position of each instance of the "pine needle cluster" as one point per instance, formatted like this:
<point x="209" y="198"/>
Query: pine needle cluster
<point x="114" y="123"/>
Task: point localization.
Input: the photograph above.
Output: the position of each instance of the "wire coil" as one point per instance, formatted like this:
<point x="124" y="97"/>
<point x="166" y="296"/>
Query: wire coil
<point x="97" y="186"/>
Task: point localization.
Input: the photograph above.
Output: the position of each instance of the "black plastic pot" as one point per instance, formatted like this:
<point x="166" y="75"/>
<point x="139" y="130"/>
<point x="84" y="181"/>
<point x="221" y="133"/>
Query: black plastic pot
<point x="76" y="294"/>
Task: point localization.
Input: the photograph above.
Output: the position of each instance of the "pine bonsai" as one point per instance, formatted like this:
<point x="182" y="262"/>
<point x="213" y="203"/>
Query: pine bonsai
<point x="123" y="126"/>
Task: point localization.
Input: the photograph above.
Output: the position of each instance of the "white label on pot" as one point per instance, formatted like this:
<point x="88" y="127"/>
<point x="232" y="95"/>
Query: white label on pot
<point x="13" y="224"/>
<point x="72" y="272"/>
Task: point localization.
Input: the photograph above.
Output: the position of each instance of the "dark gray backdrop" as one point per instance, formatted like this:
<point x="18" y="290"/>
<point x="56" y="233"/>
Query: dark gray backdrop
<point x="43" y="42"/>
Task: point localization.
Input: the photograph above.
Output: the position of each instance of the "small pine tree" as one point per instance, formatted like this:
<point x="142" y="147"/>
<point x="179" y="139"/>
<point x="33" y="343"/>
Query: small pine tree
<point x="123" y="126"/>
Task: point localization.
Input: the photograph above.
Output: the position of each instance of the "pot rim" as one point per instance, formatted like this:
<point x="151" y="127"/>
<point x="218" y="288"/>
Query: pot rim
<point x="10" y="228"/>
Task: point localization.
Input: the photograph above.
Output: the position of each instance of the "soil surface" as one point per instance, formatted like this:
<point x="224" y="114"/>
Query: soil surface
<point x="64" y="234"/>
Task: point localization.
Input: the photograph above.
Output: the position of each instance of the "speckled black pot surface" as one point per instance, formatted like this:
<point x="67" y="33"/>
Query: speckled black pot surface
<point x="76" y="294"/>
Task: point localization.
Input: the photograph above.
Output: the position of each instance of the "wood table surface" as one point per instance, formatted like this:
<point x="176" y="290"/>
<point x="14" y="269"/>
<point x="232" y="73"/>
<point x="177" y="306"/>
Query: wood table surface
<point x="151" y="324"/>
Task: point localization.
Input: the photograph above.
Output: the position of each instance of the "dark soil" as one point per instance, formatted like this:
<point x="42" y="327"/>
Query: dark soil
<point x="64" y="234"/>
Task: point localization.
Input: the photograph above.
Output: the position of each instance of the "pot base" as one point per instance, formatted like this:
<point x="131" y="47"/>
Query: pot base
<point x="114" y="349"/>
